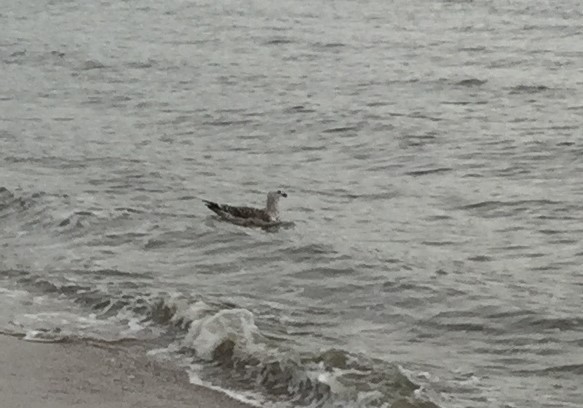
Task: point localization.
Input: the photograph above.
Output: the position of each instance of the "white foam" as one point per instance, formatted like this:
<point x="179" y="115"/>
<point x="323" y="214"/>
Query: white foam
<point x="246" y="398"/>
<point x="206" y="334"/>
<point x="44" y="336"/>
<point x="189" y="312"/>
<point x="13" y="293"/>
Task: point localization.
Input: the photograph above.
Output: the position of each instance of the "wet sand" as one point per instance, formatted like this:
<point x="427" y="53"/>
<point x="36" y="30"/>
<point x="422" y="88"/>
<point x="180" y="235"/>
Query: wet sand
<point x="85" y="375"/>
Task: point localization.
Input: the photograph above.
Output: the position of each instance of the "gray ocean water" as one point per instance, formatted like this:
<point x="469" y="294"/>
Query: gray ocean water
<point x="431" y="150"/>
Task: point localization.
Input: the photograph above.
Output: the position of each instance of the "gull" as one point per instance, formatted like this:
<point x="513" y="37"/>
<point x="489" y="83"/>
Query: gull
<point x="249" y="215"/>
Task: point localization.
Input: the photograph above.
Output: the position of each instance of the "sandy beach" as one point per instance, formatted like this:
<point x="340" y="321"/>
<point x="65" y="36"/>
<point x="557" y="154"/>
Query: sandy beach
<point x="85" y="375"/>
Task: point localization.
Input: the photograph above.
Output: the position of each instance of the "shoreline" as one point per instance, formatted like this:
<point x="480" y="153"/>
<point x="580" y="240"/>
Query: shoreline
<point x="95" y="375"/>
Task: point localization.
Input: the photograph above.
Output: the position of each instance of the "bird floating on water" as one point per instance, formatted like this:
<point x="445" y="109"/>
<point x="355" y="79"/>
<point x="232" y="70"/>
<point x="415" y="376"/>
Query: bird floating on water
<point x="250" y="216"/>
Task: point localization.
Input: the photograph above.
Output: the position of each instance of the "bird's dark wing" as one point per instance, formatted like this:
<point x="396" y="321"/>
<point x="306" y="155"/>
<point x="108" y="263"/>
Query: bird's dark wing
<point x="225" y="210"/>
<point x="246" y="212"/>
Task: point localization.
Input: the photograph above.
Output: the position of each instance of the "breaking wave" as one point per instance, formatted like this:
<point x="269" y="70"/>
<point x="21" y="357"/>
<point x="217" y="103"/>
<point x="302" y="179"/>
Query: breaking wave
<point x="225" y="344"/>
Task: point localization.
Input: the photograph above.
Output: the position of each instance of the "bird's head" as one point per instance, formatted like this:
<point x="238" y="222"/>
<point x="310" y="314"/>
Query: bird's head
<point x="273" y="197"/>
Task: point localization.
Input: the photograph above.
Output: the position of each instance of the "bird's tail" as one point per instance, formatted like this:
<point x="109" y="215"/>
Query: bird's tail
<point x="211" y="205"/>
